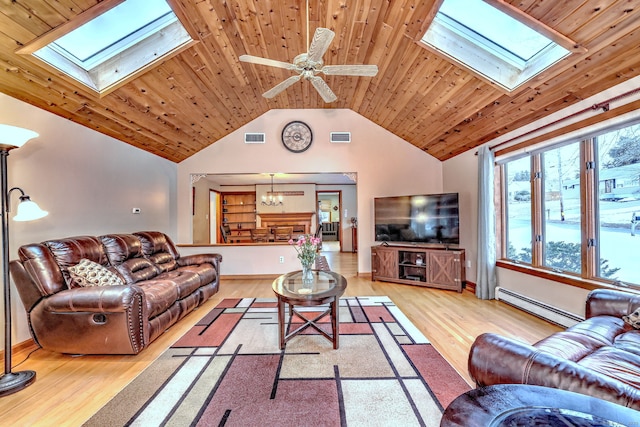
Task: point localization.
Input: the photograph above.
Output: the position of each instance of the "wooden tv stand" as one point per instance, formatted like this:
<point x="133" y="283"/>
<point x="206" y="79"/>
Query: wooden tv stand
<point x="433" y="267"/>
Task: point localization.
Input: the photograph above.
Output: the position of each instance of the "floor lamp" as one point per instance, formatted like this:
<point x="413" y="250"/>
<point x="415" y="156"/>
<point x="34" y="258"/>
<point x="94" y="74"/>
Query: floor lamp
<point x="12" y="137"/>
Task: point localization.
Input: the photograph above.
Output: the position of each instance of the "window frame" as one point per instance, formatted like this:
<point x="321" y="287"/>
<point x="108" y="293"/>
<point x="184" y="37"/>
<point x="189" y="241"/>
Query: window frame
<point x="590" y="257"/>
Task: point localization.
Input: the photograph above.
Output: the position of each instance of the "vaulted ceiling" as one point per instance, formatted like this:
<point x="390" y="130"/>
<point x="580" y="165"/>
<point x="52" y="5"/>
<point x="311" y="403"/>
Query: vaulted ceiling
<point x="202" y="94"/>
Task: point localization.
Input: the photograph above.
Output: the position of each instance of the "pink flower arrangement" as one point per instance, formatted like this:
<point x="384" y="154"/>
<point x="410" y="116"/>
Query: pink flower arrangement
<point x="306" y="246"/>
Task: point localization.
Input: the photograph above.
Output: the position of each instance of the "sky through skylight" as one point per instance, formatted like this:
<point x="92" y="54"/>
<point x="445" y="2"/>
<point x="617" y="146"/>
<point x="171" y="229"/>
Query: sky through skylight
<point x="496" y="26"/>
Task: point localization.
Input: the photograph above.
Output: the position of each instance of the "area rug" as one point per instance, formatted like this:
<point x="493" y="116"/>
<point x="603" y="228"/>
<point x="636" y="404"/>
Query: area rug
<point x="228" y="370"/>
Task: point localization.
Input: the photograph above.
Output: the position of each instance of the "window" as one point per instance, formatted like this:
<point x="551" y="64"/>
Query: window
<point x="518" y="203"/>
<point x="618" y="204"/>
<point x="588" y="220"/>
<point x="493" y="43"/>
<point x="561" y="209"/>
<point x="140" y="32"/>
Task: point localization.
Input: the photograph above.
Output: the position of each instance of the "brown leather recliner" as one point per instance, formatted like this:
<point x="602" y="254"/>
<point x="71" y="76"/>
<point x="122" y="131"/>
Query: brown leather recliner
<point x="599" y="356"/>
<point x="160" y="287"/>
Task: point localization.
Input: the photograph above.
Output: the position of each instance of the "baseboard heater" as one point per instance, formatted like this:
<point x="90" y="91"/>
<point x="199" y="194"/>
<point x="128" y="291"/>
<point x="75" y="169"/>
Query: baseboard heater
<point x="537" y="308"/>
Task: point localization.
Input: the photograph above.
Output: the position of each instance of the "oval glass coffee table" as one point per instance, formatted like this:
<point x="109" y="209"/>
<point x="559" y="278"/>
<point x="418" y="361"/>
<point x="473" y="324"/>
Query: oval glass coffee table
<point x="326" y="288"/>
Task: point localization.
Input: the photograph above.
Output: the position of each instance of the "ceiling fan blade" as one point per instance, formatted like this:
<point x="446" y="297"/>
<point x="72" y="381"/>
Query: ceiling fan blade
<point x="281" y="86"/>
<point x="323" y="89"/>
<point x="350" y="70"/>
<point x="321" y="40"/>
<point x="264" y="61"/>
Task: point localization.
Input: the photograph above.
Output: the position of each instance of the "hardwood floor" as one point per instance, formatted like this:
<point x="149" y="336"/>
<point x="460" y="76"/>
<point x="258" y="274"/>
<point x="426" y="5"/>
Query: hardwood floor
<point x="68" y="390"/>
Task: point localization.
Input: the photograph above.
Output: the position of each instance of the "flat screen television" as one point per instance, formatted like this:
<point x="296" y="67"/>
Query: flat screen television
<point x="426" y="218"/>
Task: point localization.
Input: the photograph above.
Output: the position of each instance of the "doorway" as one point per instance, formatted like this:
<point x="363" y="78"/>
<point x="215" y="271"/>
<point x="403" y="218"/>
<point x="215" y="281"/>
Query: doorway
<point x="329" y="218"/>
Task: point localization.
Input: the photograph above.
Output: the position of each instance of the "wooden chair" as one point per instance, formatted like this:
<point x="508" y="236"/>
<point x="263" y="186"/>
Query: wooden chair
<point x="225" y="231"/>
<point x="283" y="234"/>
<point x="319" y="236"/>
<point x="259" y="234"/>
<point x="330" y="231"/>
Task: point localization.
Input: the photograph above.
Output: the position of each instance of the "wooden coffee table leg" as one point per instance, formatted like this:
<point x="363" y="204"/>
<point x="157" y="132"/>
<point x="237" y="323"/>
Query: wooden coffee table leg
<point x="281" y="309"/>
<point x="335" y="318"/>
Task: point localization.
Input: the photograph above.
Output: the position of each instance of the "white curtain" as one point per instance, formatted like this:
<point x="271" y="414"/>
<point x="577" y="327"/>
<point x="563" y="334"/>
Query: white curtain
<point x="486" y="263"/>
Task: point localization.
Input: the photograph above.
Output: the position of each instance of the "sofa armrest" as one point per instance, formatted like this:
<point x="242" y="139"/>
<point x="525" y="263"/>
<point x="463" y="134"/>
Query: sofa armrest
<point x="92" y="320"/>
<point x="197" y="259"/>
<point x="609" y="302"/>
<point x="494" y="359"/>
<point x="96" y="299"/>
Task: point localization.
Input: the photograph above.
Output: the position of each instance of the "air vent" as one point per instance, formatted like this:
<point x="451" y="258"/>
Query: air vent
<point x="254" y="138"/>
<point x="341" y="137"/>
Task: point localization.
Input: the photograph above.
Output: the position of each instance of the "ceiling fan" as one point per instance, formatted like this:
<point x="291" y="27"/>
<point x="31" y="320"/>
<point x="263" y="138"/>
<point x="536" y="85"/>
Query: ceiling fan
<point x="309" y="65"/>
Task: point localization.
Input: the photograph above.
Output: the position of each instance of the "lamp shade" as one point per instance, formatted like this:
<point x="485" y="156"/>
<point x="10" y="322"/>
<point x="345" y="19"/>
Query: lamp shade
<point x="13" y="136"/>
<point x="28" y="210"/>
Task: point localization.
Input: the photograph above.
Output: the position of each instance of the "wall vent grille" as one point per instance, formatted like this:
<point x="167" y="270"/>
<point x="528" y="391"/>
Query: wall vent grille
<point x="341" y="137"/>
<point x="254" y="138"/>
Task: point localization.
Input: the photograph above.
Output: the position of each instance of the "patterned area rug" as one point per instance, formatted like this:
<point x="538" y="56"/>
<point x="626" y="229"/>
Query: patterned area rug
<point x="228" y="370"/>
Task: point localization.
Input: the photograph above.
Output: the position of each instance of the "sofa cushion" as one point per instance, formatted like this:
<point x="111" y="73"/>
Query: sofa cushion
<point x="602" y="328"/>
<point x="39" y="268"/>
<point x="70" y="251"/>
<point x="135" y="270"/>
<point x="615" y="363"/>
<point x="159" y="249"/>
<point x="125" y="254"/>
<point x="186" y="282"/>
<point x="205" y="271"/>
<point x="583" y="338"/>
<point x="159" y="295"/>
<point x="629" y="341"/>
<point x="121" y="247"/>
<point x="89" y="273"/>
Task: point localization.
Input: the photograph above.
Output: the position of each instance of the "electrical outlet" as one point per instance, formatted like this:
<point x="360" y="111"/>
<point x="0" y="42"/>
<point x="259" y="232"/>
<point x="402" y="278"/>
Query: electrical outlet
<point x="135" y="210"/>
<point x="467" y="263"/>
<point x="281" y="260"/>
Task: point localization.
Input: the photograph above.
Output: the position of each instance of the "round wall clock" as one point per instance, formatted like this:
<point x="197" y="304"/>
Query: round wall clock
<point x="297" y="136"/>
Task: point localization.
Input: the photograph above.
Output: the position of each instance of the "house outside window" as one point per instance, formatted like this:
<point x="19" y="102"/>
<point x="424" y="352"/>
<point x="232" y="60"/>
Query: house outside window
<point x="618" y="168"/>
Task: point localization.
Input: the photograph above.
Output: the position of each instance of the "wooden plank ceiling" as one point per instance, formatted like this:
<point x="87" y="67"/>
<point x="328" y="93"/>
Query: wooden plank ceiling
<point x="197" y="97"/>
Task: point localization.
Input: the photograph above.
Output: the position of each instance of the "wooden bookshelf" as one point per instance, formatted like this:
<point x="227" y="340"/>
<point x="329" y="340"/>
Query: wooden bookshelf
<point x="238" y="212"/>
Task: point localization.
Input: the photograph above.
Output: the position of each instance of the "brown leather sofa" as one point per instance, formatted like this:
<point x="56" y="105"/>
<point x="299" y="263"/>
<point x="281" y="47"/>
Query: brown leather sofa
<point x="599" y="356"/>
<point x="160" y="288"/>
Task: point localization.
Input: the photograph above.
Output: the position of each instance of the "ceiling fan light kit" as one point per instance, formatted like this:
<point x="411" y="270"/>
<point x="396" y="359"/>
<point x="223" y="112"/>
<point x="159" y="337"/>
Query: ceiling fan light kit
<point x="308" y="65"/>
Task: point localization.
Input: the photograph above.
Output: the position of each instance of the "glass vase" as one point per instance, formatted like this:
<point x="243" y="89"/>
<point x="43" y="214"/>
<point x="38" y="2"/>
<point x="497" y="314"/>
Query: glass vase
<point x="307" y="274"/>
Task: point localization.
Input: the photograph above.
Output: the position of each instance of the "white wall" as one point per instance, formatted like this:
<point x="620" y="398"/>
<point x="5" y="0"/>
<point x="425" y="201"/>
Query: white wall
<point x="460" y="175"/>
<point x="385" y="165"/>
<point x="201" y="232"/>
<point x="87" y="181"/>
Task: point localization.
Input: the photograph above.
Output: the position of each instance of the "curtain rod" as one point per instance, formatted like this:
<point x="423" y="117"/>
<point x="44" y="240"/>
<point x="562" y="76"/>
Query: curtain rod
<point x="604" y="105"/>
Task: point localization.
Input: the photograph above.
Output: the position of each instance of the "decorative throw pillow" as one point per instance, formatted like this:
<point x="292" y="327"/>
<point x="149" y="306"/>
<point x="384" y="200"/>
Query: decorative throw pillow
<point x="89" y="273"/>
<point x="633" y="319"/>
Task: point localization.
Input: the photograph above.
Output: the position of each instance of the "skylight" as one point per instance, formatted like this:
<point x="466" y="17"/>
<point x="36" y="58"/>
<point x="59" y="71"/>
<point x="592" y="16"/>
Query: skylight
<point x="491" y="42"/>
<point x="113" y="46"/>
<point x="129" y="20"/>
